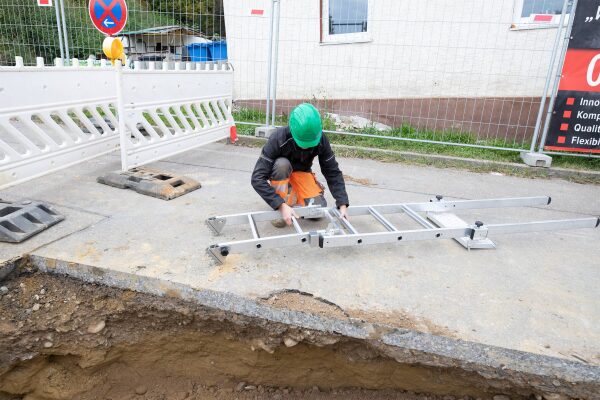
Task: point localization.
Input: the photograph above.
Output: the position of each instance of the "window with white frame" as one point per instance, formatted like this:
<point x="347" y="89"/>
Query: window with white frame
<point x="537" y="13"/>
<point x="345" y="21"/>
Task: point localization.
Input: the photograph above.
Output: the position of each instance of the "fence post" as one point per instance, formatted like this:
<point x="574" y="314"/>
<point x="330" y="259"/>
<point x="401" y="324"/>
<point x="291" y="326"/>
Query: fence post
<point x="270" y="62"/>
<point x="277" y="3"/>
<point x="558" y="76"/>
<point x="121" y="114"/>
<point x="64" y="27"/>
<point x="265" y="131"/>
<point x="538" y="123"/>
<point x="59" y="29"/>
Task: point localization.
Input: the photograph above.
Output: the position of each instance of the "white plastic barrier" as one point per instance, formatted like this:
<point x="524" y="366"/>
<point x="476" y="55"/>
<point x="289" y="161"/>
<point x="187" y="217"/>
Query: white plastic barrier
<point x="168" y="111"/>
<point x="54" y="117"/>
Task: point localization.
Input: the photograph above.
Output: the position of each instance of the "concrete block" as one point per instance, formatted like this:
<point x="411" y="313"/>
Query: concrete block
<point x="536" y="159"/>
<point x="264" y="131"/>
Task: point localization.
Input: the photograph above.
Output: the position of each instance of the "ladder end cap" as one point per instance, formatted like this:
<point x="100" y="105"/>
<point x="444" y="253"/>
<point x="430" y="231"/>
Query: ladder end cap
<point x="598" y="222"/>
<point x="549" y="200"/>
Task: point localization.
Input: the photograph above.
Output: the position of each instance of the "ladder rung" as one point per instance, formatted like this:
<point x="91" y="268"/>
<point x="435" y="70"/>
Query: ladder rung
<point x="297" y="226"/>
<point x="253" y="227"/>
<point x="345" y="222"/>
<point x="414" y="215"/>
<point x="331" y="219"/>
<point x="381" y="219"/>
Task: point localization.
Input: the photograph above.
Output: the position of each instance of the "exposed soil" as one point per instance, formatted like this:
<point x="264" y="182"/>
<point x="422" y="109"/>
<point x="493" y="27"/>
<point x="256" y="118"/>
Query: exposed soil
<point x="63" y="339"/>
<point x="360" y="181"/>
<point x="306" y="302"/>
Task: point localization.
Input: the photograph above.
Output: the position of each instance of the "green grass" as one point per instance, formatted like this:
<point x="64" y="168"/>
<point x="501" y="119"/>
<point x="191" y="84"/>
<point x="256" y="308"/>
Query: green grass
<point x="406" y="131"/>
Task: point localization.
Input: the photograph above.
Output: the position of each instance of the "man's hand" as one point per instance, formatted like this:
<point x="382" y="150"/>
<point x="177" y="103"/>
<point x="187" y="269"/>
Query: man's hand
<point x="344" y="212"/>
<point x="287" y="213"/>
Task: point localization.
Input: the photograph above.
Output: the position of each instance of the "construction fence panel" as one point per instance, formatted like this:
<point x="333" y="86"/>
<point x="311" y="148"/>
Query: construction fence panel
<point x="465" y="72"/>
<point x="383" y="72"/>
<point x="29" y="31"/>
<point x="169" y="111"/>
<point x="155" y="30"/>
<point x="54" y="117"/>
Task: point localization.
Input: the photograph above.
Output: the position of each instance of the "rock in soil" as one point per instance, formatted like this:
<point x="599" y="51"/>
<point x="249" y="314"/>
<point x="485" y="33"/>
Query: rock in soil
<point x="97" y="327"/>
<point x="141" y="389"/>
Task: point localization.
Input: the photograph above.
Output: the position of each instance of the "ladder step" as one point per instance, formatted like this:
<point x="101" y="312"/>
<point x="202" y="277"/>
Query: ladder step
<point x="253" y="227"/>
<point x="344" y="222"/>
<point x="296" y="225"/>
<point x="381" y="219"/>
<point x="415" y="216"/>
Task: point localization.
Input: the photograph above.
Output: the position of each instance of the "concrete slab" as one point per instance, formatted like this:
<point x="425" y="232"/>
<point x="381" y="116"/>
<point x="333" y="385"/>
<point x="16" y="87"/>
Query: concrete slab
<point x="535" y="293"/>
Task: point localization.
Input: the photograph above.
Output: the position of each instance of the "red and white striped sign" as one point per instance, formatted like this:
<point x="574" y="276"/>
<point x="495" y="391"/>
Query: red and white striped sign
<point x="256" y="12"/>
<point x="44" y="3"/>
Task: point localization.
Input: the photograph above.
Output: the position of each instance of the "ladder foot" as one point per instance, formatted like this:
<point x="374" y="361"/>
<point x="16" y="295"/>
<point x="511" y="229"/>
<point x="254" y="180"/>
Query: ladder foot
<point x="218" y="253"/>
<point x="215" y="224"/>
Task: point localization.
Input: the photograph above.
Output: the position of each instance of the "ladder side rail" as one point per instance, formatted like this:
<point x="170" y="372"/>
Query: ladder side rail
<point x="445" y="206"/>
<point x="539" y="226"/>
<point x="265" y="216"/>
<point x="394" y="237"/>
<point x="271" y="242"/>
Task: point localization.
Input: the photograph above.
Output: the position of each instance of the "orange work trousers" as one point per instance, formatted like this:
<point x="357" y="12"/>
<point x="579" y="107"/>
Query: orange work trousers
<point x="298" y="188"/>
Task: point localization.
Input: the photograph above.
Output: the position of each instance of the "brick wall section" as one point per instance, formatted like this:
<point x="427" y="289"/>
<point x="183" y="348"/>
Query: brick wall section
<point x="509" y="119"/>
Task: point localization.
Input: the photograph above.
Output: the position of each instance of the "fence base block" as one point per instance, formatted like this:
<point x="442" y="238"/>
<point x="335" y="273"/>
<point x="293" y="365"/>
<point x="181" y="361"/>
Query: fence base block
<point x="264" y="131"/>
<point x="149" y="182"/>
<point x="20" y="221"/>
<point x="536" y="159"/>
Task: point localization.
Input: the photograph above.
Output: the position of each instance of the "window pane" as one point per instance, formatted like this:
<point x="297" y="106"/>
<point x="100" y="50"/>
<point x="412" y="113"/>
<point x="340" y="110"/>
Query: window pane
<point x="542" y="7"/>
<point x="347" y="16"/>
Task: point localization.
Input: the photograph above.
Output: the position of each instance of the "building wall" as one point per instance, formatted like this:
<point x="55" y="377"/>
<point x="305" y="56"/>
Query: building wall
<point x="418" y="49"/>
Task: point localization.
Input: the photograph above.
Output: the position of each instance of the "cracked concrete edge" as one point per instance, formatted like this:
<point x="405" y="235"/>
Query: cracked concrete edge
<point x="7" y="267"/>
<point x="522" y="369"/>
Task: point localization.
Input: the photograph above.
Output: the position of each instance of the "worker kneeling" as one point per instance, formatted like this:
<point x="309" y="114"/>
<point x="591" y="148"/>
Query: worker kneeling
<point x="283" y="176"/>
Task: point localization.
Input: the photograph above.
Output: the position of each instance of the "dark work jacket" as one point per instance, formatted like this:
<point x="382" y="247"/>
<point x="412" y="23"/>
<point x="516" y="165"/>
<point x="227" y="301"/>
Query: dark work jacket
<point x="281" y="144"/>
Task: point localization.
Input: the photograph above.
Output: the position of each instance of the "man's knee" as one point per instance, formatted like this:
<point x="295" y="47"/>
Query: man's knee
<point x="282" y="169"/>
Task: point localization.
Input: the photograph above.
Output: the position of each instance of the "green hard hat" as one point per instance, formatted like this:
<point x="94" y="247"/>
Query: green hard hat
<point x="305" y="124"/>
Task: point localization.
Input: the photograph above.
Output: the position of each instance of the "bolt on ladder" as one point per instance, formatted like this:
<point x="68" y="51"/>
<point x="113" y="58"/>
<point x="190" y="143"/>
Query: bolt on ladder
<point x="439" y="223"/>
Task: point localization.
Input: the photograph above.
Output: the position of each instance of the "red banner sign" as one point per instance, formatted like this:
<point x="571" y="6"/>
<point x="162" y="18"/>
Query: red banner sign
<point x="575" y="123"/>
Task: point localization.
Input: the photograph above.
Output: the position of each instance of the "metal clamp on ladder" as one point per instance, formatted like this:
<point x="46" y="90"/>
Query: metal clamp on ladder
<point x="439" y="223"/>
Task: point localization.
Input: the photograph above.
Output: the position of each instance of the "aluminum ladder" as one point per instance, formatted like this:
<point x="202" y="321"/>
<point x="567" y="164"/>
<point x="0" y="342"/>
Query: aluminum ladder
<point x="438" y="223"/>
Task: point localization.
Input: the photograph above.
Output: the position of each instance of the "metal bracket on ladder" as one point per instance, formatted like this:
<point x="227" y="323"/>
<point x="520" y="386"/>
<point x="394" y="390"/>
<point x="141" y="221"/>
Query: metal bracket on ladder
<point x="440" y="223"/>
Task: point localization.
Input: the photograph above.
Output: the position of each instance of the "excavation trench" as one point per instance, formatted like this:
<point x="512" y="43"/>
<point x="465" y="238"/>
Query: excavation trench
<point x="61" y="338"/>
